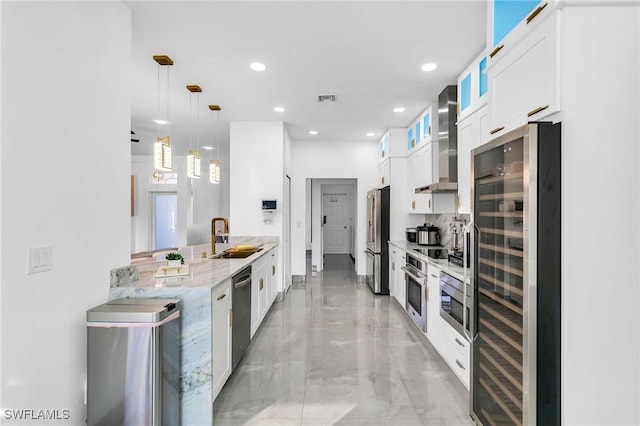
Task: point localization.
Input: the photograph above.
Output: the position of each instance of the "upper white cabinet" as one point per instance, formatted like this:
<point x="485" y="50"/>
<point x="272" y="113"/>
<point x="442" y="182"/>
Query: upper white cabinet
<point x="472" y="87"/>
<point x="524" y="82"/>
<point x="422" y="170"/>
<point x="421" y="130"/>
<point x="391" y="144"/>
<point x="510" y="20"/>
<point x="470" y="131"/>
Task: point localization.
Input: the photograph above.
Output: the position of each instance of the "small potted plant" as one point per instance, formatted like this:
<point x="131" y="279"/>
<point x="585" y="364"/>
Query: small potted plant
<point x="174" y="260"/>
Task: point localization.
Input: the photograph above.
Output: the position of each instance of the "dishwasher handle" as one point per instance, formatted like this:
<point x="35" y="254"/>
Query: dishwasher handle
<point x="242" y="283"/>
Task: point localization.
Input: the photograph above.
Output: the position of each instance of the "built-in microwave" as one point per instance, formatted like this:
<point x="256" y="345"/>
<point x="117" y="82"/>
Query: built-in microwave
<point x="451" y="303"/>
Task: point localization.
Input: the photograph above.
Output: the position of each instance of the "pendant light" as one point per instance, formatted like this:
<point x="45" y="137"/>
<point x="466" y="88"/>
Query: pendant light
<point x="162" y="149"/>
<point x="214" y="165"/>
<point x="193" y="158"/>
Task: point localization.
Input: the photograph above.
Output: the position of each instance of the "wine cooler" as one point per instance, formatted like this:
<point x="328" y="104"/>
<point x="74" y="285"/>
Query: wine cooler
<point x="515" y="247"/>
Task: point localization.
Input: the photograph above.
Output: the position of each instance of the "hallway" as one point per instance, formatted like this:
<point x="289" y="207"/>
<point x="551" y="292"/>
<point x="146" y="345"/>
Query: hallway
<point x="335" y="354"/>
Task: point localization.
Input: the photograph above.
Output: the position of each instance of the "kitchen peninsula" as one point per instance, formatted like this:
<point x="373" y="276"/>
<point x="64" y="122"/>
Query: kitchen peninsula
<point x="205" y="346"/>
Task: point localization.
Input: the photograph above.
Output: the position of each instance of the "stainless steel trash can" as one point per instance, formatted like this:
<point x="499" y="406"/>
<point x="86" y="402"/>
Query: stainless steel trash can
<point x="133" y="363"/>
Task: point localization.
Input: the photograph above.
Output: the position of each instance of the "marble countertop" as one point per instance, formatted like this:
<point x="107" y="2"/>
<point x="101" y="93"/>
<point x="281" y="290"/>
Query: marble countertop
<point x="203" y="272"/>
<point x="443" y="264"/>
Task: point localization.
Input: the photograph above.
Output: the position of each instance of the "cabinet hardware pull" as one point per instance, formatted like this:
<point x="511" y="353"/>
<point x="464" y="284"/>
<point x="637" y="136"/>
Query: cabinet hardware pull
<point x="383" y="153"/>
<point x="496" y="130"/>
<point x="535" y="13"/>
<point x="429" y="130"/>
<point x="413" y="205"/>
<point x="495" y="51"/>
<point x="434" y="276"/>
<point x="429" y="203"/>
<point x="459" y="342"/>
<point x="222" y="296"/>
<point x="413" y="143"/>
<point x="537" y="110"/>
<point x="393" y="266"/>
<point x="383" y="180"/>
<point x="261" y="283"/>
<point x="460" y="364"/>
<point x="273" y="269"/>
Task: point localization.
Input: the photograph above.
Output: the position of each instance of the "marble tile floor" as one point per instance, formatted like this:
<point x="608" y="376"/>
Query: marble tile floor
<point x="333" y="353"/>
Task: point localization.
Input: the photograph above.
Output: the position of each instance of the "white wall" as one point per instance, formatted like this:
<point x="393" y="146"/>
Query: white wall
<point x="66" y="116"/>
<point x="330" y="160"/>
<point x="600" y="320"/>
<point x="194" y="225"/>
<point x="257" y="173"/>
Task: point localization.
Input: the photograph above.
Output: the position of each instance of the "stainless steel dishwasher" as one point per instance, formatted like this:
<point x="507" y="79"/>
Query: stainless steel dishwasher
<point x="241" y="307"/>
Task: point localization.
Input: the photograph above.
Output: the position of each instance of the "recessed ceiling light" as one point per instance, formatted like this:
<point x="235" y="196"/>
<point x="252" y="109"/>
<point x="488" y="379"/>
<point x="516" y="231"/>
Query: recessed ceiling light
<point x="371" y="134"/>
<point x="398" y="109"/>
<point x="313" y="132"/>
<point x="278" y="109"/>
<point x="257" y="66"/>
<point x="161" y="121"/>
<point x="208" y="148"/>
<point x="429" y="67"/>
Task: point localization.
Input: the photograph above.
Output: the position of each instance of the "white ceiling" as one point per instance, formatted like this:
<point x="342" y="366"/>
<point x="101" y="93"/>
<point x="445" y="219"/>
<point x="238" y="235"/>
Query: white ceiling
<point x="368" y="53"/>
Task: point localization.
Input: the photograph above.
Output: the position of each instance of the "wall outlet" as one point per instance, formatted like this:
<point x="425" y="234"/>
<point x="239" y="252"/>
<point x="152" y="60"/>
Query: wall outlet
<point x="39" y="259"/>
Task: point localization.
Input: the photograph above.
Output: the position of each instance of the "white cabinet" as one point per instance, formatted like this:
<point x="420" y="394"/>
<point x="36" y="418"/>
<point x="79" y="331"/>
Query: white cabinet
<point x="510" y="21"/>
<point x="433" y="302"/>
<point x="420" y="132"/>
<point x="384" y="171"/>
<point x="455" y="350"/>
<point x="391" y="144"/>
<point x="401" y="286"/>
<point x="393" y="265"/>
<point x="469" y="138"/>
<point x="220" y="336"/>
<point x="273" y="281"/>
<point x="422" y="170"/>
<point x="258" y="280"/>
<point x="472" y="87"/>
<point x="264" y="282"/>
<point x="524" y="80"/>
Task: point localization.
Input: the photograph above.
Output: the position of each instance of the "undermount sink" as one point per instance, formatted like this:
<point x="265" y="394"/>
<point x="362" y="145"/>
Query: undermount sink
<point x="236" y="254"/>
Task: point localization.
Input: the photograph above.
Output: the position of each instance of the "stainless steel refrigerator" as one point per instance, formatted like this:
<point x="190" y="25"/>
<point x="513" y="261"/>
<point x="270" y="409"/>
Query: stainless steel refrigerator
<point x="377" y="252"/>
<point x="515" y="248"/>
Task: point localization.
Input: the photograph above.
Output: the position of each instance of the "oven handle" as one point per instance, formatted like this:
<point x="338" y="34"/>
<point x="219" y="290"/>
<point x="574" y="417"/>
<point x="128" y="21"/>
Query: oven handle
<point x="412" y="275"/>
<point x="467" y="230"/>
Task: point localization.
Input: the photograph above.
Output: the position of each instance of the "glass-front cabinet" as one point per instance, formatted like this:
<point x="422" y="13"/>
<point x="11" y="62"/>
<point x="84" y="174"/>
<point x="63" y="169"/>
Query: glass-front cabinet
<point x="510" y="20"/>
<point x="472" y="87"/>
<point x="420" y="131"/>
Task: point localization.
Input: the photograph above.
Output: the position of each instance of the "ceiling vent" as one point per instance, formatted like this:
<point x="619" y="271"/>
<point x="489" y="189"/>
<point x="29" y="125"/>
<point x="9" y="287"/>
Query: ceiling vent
<point x="326" y="98"/>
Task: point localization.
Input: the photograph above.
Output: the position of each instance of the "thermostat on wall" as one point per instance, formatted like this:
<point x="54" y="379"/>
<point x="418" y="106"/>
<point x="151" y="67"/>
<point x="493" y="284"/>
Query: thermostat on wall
<point x="269" y="205"/>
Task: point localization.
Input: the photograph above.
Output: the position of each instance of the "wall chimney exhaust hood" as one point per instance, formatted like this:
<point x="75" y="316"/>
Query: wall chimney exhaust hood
<point x="447" y="144"/>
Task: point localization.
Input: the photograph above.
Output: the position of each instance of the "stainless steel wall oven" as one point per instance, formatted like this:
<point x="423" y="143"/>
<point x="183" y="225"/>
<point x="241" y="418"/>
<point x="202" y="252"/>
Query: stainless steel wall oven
<point x="415" y="272"/>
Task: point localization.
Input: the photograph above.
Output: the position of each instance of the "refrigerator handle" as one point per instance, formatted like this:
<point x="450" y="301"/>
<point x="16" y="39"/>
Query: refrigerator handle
<point x="467" y="230"/>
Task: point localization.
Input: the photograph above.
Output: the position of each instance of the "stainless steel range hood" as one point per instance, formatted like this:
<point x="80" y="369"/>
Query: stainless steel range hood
<point x="447" y="144"/>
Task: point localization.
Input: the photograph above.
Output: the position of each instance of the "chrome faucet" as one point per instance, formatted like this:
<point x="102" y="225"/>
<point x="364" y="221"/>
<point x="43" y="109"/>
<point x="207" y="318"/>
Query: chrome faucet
<point x="225" y="222"/>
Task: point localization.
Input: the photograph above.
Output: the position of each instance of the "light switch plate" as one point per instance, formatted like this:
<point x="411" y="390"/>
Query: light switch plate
<point x="39" y="259"/>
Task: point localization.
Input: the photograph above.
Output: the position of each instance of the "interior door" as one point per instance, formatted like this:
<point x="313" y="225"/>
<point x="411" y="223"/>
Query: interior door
<point x="335" y="223"/>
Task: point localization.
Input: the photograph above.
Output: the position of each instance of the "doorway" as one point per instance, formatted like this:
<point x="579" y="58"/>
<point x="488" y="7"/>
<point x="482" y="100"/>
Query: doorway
<point x="164" y="220"/>
<point x="336" y="222"/>
<point x="333" y="220"/>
